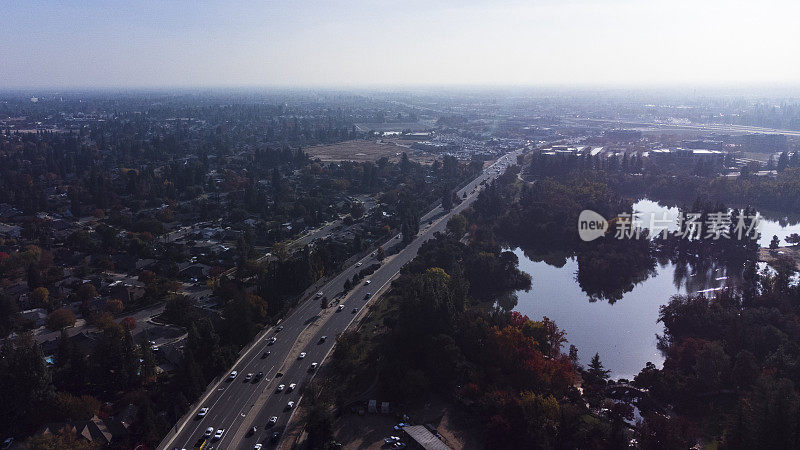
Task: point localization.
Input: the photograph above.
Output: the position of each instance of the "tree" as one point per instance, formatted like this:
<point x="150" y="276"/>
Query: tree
<point x="86" y="292"/>
<point x="114" y="306"/>
<point x="40" y="297"/>
<point x="60" y="319"/>
<point x="281" y="251"/>
<point x="380" y="254"/>
<point x="774" y="243"/>
<point x="26" y="386"/>
<point x="129" y="323"/>
<point x="596" y="368"/>
<point x="793" y="239"/>
<point x="457" y="226"/>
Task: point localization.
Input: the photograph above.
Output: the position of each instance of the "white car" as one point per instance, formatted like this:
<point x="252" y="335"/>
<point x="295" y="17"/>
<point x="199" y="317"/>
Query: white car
<point x="313" y="367"/>
<point x="302" y="355"/>
<point x="319" y="294"/>
<point x="202" y="412"/>
<point x="233" y="375"/>
<point x="290" y="405"/>
<point x="292" y="386"/>
<point x="272" y="340"/>
<point x="209" y="431"/>
<point x="272" y="421"/>
<point x="340" y="307"/>
<point x="257" y="447"/>
<point x="280" y="387"/>
<point x="358" y="264"/>
<point x="368" y="282"/>
<point x="218" y="434"/>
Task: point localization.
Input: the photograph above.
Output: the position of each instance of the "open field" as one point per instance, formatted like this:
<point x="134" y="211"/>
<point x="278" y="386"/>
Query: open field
<point x="368" y="150"/>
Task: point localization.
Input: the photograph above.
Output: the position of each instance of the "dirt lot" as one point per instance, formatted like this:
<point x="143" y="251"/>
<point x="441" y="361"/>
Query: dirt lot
<point x="363" y="150"/>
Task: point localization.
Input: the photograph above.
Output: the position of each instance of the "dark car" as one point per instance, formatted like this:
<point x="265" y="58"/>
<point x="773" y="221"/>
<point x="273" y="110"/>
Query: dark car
<point x="258" y="377"/>
<point x="265" y="354"/>
<point x="275" y="437"/>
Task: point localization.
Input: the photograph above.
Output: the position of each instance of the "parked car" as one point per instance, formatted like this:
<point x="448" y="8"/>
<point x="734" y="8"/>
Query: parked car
<point x="323" y="338"/>
<point x="368" y="282"/>
<point x="265" y="354"/>
<point x="355" y="310"/>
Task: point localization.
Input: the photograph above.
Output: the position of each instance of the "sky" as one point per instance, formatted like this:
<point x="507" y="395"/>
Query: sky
<point x="350" y="43"/>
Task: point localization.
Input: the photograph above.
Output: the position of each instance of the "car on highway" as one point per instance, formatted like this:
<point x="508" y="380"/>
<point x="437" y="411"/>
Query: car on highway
<point x="248" y="377"/>
<point x="391" y="440"/>
<point x="355" y="310"/>
<point x="368" y="282"/>
<point x="252" y="431"/>
<point x="323" y="339"/>
<point x="219" y="433"/>
<point x="265" y="354"/>
<point x="290" y="405"/>
<point x="272" y="421"/>
<point x="280" y="328"/>
<point x="202" y="412"/>
<point x="275" y="437"/>
<point x="258" y="447"/>
<point x="209" y="431"/>
<point x="258" y="377"/>
<point x="233" y="375"/>
<point x="313" y="367"/>
<point x="369" y="294"/>
<point x="320" y="294"/>
<point x="340" y="307"/>
<point x="280" y="387"/>
<point x="292" y="386"/>
<point x="272" y="340"/>
<point x="301" y="355"/>
<point x="278" y="374"/>
<point x="358" y="264"/>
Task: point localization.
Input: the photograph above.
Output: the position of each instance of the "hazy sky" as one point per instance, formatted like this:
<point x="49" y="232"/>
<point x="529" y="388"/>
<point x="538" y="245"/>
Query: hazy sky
<point x="113" y="43"/>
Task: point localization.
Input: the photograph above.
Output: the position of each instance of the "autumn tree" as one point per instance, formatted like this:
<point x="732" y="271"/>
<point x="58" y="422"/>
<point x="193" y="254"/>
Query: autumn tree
<point x="60" y="319"/>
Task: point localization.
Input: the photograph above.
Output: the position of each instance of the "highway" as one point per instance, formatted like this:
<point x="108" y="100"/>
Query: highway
<point x="236" y="405"/>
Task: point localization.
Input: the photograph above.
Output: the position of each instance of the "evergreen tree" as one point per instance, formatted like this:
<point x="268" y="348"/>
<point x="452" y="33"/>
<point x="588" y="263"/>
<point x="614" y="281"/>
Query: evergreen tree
<point x="596" y="368"/>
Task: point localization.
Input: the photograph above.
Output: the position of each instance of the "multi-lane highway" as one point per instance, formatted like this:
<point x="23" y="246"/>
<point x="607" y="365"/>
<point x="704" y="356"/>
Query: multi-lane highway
<point x="236" y="405"/>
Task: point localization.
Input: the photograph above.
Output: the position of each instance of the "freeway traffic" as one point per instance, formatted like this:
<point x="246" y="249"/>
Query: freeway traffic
<point x="238" y="404"/>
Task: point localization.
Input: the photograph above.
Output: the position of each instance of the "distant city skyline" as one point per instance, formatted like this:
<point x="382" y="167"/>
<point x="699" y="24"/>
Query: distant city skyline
<point x="407" y="43"/>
